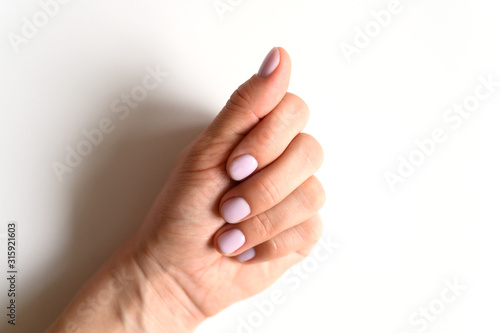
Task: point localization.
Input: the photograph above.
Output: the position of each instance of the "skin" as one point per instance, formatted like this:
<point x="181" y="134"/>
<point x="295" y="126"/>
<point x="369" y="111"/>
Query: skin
<point x="171" y="275"/>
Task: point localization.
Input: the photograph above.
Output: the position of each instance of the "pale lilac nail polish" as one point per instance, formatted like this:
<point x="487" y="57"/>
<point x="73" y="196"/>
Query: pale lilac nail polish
<point x="231" y="241"/>
<point x="242" y="167"/>
<point x="270" y="63"/>
<point x="235" y="209"/>
<point x="247" y="255"/>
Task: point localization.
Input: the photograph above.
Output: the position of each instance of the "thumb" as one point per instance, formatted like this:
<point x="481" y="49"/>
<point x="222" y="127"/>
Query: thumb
<point x="251" y="102"/>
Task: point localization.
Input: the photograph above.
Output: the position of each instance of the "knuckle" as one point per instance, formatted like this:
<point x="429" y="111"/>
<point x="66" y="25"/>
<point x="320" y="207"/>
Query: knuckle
<point x="265" y="137"/>
<point x="274" y="247"/>
<point x="312" y="230"/>
<point x="242" y="97"/>
<point x="268" y="191"/>
<point x="317" y="230"/>
<point x="296" y="106"/>
<point x="264" y="226"/>
<point x="314" y="194"/>
<point x="310" y="150"/>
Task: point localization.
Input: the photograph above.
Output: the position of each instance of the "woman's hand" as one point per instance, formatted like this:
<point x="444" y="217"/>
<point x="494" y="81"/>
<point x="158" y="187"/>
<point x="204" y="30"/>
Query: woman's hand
<point x="238" y="210"/>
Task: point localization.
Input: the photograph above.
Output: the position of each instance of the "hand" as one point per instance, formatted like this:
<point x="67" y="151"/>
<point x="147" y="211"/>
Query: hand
<point x="272" y="212"/>
<point x="239" y="209"/>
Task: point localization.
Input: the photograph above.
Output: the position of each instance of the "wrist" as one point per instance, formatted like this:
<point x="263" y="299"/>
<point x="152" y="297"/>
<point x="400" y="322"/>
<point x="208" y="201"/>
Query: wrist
<point x="128" y="294"/>
<point x="164" y="300"/>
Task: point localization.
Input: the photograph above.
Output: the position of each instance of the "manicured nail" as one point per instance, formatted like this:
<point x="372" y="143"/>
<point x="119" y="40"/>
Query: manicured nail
<point x="270" y="63"/>
<point x="235" y="209"/>
<point x="231" y="241"/>
<point x="247" y="255"/>
<point x="242" y="167"/>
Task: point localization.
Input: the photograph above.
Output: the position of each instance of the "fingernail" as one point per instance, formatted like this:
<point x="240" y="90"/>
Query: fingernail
<point x="231" y="241"/>
<point x="270" y="63"/>
<point x="247" y="255"/>
<point x="242" y="167"/>
<point x="235" y="209"/>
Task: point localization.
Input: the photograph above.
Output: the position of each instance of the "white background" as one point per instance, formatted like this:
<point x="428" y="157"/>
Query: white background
<point x="396" y="248"/>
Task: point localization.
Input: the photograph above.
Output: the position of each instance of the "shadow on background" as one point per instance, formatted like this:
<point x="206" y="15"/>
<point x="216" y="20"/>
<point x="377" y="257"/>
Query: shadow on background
<point x="111" y="194"/>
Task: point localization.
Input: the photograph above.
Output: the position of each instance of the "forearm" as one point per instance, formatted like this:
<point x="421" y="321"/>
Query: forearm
<point x="120" y="297"/>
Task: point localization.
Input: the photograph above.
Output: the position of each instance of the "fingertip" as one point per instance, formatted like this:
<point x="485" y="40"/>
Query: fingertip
<point x="270" y="63"/>
<point x="230" y="241"/>
<point x="285" y="65"/>
<point x="276" y="65"/>
<point x="241" y="167"/>
<point x="235" y="209"/>
<point x="246" y="255"/>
